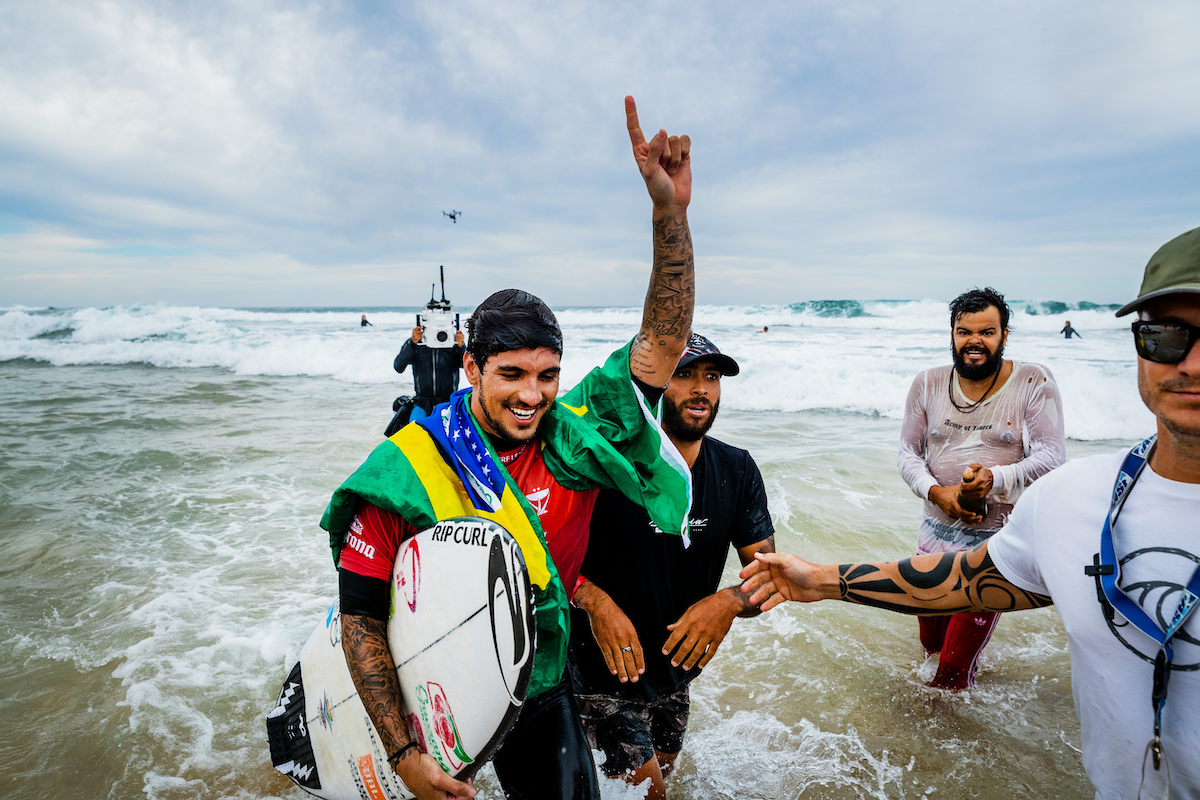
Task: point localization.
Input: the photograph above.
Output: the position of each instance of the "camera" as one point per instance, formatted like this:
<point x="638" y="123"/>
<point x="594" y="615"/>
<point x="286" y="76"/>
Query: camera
<point x="438" y="327"/>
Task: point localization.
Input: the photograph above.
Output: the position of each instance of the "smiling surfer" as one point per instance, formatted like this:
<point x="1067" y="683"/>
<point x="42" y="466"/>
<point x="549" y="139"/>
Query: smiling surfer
<point x="508" y="438"/>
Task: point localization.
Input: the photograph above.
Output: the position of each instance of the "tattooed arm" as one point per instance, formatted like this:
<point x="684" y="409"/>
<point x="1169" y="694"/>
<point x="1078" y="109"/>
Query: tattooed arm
<point x="936" y="583"/>
<point x="364" y="641"/>
<point x="666" y="167"/>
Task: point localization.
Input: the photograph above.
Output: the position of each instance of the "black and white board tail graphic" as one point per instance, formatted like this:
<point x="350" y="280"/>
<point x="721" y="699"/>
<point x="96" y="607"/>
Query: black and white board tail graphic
<point x="513" y="629"/>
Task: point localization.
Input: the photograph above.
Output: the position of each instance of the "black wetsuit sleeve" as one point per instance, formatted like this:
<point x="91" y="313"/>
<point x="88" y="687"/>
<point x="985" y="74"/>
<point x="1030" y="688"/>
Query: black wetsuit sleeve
<point x="405" y="356"/>
<point x="367" y="597"/>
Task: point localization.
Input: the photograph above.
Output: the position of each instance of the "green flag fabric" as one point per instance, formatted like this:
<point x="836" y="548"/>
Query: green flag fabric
<point x="601" y="434"/>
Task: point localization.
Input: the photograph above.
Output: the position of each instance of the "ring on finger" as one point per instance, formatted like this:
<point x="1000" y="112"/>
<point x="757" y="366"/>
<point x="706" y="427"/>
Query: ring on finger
<point x="627" y="648"/>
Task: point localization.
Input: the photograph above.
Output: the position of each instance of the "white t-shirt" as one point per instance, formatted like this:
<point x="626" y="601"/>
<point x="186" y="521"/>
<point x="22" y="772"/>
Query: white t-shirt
<point x="1052" y="534"/>
<point x="1017" y="433"/>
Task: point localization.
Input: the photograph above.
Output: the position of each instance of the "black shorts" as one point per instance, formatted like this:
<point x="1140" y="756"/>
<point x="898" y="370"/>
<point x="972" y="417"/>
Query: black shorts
<point x="630" y="732"/>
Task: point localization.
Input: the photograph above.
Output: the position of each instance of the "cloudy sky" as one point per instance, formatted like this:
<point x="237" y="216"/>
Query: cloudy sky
<point x="261" y="153"/>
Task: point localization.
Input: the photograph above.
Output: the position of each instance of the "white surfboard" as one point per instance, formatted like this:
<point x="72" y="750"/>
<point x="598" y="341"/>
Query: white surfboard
<point x="462" y="635"/>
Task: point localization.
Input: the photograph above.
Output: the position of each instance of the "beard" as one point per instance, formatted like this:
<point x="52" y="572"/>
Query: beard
<point x="682" y="427"/>
<point x="981" y="371"/>
<point x="503" y="439"/>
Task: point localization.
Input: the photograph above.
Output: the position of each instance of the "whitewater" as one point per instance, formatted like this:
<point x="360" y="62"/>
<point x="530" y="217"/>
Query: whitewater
<point x="163" y="470"/>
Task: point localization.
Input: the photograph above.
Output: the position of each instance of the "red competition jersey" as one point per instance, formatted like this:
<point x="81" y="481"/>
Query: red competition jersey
<point x="375" y="534"/>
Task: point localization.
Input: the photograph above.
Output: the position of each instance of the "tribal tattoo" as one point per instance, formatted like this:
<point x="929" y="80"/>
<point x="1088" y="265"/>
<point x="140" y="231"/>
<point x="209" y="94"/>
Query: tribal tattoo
<point x="937" y="583"/>
<point x="667" y="314"/>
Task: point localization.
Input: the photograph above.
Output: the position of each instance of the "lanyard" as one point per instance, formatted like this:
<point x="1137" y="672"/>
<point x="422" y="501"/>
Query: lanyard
<point x="1106" y="568"/>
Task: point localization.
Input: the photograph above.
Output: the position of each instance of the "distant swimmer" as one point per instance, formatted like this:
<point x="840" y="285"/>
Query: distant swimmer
<point x="1068" y="331"/>
<point x="764" y="330"/>
<point x="981" y="410"/>
<point x="1110" y="540"/>
<point x="364" y="322"/>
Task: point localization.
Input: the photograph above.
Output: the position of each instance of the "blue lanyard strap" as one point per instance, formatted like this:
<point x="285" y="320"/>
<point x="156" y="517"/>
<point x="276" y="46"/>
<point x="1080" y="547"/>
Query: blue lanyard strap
<point x="1106" y="568"/>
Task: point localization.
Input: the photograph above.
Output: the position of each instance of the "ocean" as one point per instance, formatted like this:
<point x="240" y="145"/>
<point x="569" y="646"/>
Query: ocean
<point x="163" y="470"/>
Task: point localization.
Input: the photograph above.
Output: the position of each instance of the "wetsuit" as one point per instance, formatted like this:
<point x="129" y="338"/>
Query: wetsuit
<point x="435" y="373"/>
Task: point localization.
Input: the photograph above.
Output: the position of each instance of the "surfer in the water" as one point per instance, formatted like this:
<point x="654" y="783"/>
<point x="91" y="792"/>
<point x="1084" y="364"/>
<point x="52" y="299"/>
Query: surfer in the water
<point x="1110" y="540"/>
<point x="975" y="434"/>
<point x="650" y="614"/>
<point x="600" y="435"/>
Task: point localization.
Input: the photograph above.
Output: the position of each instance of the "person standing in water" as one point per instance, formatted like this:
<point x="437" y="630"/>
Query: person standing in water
<point x="435" y="370"/>
<point x="1111" y="540"/>
<point x="510" y="433"/>
<point x="1068" y="331"/>
<point x="975" y="434"/>
<point x="649" y="612"/>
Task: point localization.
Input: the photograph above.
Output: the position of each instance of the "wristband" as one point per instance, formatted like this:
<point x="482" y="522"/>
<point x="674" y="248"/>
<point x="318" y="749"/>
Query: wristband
<point x="400" y="752"/>
<point x="580" y="581"/>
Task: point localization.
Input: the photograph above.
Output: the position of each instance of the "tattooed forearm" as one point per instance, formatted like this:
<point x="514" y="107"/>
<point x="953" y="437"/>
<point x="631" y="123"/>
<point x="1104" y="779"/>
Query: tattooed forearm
<point x="667" y="314"/>
<point x="364" y="641"/>
<point x="942" y="583"/>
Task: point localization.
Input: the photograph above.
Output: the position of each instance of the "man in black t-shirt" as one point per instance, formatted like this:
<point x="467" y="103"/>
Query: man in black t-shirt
<point x="648" y="616"/>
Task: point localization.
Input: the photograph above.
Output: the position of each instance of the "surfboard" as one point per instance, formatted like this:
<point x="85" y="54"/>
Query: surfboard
<point x="461" y="632"/>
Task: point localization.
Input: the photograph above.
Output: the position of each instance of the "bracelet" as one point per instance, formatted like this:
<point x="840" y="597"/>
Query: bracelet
<point x="400" y="752"/>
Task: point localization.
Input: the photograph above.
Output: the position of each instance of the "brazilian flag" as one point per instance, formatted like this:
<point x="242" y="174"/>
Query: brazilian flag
<point x="601" y="434"/>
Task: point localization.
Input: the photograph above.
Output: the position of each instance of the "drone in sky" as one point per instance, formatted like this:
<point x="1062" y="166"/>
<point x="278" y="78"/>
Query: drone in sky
<point x="453" y="215"/>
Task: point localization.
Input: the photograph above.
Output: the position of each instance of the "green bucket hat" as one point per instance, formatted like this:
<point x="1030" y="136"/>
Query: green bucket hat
<point x="1174" y="269"/>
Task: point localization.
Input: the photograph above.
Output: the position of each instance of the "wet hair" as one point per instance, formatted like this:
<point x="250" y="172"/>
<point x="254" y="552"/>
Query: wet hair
<point x="511" y="319"/>
<point x="978" y="300"/>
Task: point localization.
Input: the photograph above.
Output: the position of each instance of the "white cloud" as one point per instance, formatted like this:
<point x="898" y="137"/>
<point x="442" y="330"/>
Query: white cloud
<point x="841" y="149"/>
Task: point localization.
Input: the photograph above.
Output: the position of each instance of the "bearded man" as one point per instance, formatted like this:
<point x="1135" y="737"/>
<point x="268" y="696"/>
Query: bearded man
<point x="975" y="434"/>
<point x="648" y="615"/>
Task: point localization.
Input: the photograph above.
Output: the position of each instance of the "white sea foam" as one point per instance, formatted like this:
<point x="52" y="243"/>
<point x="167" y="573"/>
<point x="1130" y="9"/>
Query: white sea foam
<point x="165" y="468"/>
<point x="849" y="356"/>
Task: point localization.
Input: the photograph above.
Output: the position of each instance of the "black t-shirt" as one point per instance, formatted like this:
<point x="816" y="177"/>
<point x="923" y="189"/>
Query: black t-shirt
<point x="653" y="578"/>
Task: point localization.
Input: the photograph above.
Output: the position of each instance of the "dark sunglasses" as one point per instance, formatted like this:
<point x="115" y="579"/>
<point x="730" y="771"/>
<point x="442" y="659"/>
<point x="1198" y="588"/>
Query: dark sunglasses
<point x="1164" y="342"/>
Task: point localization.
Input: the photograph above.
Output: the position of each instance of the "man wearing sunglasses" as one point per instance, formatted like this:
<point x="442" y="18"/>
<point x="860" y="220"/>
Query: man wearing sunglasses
<point x="1113" y="541"/>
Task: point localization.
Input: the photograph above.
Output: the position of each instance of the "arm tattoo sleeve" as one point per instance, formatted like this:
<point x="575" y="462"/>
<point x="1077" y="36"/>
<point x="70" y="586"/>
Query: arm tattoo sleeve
<point x="364" y="641"/>
<point x="945" y="583"/>
<point x="667" y="314"/>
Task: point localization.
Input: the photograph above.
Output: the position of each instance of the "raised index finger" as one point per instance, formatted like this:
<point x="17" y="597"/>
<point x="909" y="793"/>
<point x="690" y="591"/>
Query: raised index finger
<point x="631" y="121"/>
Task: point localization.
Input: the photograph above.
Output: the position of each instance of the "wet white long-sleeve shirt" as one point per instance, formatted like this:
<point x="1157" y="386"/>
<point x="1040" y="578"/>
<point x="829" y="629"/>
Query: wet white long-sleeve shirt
<point x="1017" y="433"/>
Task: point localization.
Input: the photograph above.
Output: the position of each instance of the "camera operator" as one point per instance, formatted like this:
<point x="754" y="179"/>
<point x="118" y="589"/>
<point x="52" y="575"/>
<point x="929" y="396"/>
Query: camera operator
<point x="435" y="363"/>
